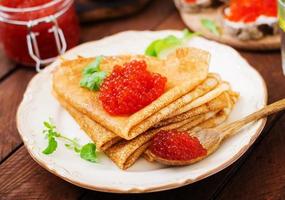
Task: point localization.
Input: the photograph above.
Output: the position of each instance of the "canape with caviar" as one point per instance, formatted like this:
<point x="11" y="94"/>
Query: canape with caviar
<point x="250" y="19"/>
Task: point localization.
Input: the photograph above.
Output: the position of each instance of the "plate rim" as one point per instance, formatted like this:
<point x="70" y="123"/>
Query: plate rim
<point x="136" y="189"/>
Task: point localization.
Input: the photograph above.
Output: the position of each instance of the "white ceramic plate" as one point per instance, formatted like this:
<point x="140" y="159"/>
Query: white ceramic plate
<point x="38" y="105"/>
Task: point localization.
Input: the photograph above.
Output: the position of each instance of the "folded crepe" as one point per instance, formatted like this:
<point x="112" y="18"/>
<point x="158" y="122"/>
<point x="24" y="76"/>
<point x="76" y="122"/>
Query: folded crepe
<point x="184" y="69"/>
<point x="224" y="86"/>
<point x="195" y="125"/>
<point x="215" y="104"/>
<point x="103" y="138"/>
<point x="198" y="123"/>
<point x="125" y="153"/>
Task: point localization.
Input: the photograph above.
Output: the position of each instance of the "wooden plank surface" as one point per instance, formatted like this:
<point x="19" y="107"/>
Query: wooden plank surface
<point x="269" y="66"/>
<point x="149" y="18"/>
<point x="263" y="174"/>
<point x="22" y="178"/>
<point x="11" y="92"/>
<point x="6" y="66"/>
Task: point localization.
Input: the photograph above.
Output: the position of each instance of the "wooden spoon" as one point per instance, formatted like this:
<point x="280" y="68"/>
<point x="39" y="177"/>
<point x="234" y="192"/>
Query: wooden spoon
<point x="211" y="139"/>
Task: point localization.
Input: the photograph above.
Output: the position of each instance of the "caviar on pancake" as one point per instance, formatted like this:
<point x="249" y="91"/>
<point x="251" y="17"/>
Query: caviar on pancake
<point x="130" y="88"/>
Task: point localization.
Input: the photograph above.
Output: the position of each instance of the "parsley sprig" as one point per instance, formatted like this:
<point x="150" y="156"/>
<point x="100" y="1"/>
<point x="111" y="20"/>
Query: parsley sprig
<point x="159" y="46"/>
<point x="87" y="151"/>
<point x="92" y="76"/>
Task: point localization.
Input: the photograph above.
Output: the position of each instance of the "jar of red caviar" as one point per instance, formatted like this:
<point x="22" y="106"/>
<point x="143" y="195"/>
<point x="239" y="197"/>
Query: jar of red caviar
<point x="34" y="32"/>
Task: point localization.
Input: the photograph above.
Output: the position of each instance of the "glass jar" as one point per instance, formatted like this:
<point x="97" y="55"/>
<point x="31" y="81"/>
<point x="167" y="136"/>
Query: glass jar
<point x="37" y="35"/>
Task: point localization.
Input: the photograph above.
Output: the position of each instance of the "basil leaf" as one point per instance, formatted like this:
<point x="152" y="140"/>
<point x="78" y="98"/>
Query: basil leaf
<point x="52" y="145"/>
<point x="93" y="66"/>
<point x="93" y="81"/>
<point x="158" y="46"/>
<point x="92" y="76"/>
<point x="151" y="49"/>
<point x="211" y="26"/>
<point x="88" y="152"/>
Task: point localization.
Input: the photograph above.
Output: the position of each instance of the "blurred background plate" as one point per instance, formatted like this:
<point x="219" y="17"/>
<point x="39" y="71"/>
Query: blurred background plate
<point x="93" y="10"/>
<point x="193" y="21"/>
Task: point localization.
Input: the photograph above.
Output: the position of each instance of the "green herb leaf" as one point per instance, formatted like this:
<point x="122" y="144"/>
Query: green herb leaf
<point x="157" y="47"/>
<point x="211" y="26"/>
<point x="93" y="66"/>
<point x="48" y="125"/>
<point x="93" y="81"/>
<point x="77" y="150"/>
<point x="88" y="152"/>
<point x="92" y="76"/>
<point x="52" y="145"/>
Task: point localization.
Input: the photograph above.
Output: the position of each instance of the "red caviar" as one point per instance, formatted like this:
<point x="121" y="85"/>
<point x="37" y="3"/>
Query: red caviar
<point x="130" y="88"/>
<point x="176" y="145"/>
<point x="23" y="3"/>
<point x="18" y="14"/>
<point x="250" y="10"/>
<point x="190" y="1"/>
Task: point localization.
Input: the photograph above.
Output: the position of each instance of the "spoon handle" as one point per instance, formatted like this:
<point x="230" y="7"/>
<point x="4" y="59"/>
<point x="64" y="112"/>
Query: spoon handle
<point x="232" y="128"/>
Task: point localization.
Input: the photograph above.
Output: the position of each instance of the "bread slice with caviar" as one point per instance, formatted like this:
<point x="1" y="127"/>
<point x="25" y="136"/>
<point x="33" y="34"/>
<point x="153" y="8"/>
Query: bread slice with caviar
<point x="251" y="19"/>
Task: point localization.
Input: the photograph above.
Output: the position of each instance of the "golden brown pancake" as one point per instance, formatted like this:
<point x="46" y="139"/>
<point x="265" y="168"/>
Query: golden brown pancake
<point x="224" y="86"/>
<point x="103" y="138"/>
<point x="217" y="103"/>
<point x="212" y="122"/>
<point x="122" y="153"/>
<point x="185" y="69"/>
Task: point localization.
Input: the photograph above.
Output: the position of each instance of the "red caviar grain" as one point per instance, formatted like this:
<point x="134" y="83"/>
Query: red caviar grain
<point x="176" y="145"/>
<point x="190" y="1"/>
<point x="249" y="11"/>
<point x="130" y="88"/>
<point x="23" y="4"/>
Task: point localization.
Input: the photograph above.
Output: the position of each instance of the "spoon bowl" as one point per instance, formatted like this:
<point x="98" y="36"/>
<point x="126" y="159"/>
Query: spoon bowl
<point x="211" y="139"/>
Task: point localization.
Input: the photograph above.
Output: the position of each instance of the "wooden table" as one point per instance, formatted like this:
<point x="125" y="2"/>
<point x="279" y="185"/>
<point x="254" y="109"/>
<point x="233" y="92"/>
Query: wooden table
<point x="259" y="174"/>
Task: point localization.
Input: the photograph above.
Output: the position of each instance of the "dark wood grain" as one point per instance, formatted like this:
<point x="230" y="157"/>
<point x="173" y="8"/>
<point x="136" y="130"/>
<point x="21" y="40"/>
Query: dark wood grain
<point x="12" y="89"/>
<point x="149" y="18"/>
<point x="90" y="10"/>
<point x="22" y="178"/>
<point x="11" y="92"/>
<point x="263" y="174"/>
<point x="269" y="66"/>
<point x="6" y="66"/>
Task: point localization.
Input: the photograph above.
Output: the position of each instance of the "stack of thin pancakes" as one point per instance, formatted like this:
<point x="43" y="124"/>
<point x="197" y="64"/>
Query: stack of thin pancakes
<point x="193" y="99"/>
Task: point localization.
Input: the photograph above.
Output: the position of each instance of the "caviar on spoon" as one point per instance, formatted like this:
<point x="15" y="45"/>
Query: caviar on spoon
<point x="181" y="148"/>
